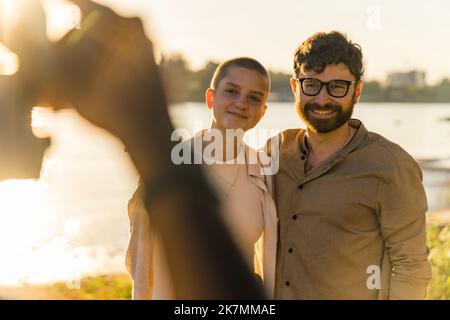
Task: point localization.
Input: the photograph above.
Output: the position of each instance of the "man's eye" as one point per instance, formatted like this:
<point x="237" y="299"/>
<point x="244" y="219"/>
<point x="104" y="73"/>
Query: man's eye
<point x="311" y="84"/>
<point x="338" y="86"/>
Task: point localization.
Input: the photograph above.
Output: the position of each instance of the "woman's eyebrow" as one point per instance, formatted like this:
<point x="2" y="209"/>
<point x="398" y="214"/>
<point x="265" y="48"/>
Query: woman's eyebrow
<point x="232" y="84"/>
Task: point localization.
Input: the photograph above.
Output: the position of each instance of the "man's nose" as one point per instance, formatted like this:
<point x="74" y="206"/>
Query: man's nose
<point x="322" y="97"/>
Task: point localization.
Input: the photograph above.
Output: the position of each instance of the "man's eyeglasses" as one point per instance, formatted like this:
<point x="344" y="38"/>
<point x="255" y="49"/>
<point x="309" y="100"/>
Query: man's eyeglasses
<point x="335" y="88"/>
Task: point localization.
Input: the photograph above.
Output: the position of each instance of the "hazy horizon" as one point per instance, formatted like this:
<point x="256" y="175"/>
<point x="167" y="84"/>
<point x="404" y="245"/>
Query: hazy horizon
<point x="394" y="35"/>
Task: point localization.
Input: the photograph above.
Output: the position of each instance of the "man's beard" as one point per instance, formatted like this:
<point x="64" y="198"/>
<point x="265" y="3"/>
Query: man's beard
<point x="314" y="124"/>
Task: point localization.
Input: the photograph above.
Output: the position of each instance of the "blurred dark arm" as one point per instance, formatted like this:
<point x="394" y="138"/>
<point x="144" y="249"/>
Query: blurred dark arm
<point x="107" y="71"/>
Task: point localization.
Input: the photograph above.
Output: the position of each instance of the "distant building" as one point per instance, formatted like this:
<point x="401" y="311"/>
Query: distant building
<point x="400" y="80"/>
<point x="282" y="96"/>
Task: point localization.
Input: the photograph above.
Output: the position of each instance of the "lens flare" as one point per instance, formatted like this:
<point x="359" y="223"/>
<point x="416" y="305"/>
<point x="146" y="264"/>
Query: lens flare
<point x="7" y="11"/>
<point x="62" y="16"/>
<point x="9" y="62"/>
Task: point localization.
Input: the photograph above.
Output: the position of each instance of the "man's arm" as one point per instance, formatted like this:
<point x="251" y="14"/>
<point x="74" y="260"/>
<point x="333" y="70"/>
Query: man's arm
<point x="402" y="208"/>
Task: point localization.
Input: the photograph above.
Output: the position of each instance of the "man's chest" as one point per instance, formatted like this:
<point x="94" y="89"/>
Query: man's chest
<point x="326" y="207"/>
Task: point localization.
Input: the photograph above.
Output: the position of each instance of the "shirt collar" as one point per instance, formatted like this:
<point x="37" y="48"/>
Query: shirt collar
<point x="358" y="138"/>
<point x="252" y="157"/>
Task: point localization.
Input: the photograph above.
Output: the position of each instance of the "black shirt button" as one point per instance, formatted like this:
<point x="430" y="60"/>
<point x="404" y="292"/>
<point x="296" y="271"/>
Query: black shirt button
<point x="290" y="250"/>
<point x="303" y="158"/>
<point x="300" y="187"/>
<point x="287" y="283"/>
<point x="294" y="217"/>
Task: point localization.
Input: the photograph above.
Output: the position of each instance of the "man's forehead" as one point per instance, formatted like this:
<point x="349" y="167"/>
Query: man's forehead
<point x="331" y="70"/>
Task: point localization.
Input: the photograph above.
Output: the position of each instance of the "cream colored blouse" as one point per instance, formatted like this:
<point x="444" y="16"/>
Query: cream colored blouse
<point x="248" y="211"/>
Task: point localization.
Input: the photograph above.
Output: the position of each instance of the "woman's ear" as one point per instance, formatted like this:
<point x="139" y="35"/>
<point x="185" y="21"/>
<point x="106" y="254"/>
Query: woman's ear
<point x="209" y="97"/>
<point x="263" y="111"/>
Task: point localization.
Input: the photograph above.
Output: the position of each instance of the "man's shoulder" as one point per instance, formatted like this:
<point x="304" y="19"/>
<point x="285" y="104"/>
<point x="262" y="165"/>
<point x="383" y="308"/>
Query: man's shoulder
<point x="291" y="134"/>
<point x="388" y="152"/>
<point x="286" y="136"/>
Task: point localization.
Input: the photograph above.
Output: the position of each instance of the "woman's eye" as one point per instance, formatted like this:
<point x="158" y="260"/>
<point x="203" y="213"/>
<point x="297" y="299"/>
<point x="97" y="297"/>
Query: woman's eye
<point x="231" y="91"/>
<point x="255" y="98"/>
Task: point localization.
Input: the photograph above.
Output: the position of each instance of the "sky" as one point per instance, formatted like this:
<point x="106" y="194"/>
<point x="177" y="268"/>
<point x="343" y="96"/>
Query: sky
<point x="395" y="35"/>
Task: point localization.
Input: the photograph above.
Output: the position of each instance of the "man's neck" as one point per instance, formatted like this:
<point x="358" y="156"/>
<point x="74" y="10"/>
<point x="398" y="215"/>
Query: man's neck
<point x="321" y="146"/>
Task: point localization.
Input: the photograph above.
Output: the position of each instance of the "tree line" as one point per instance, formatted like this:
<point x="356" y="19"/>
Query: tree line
<point x="186" y="85"/>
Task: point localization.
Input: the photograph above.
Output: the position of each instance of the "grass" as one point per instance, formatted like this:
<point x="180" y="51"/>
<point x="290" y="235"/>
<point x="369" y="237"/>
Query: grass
<point x="103" y="287"/>
<point x="118" y="287"/>
<point x="439" y="243"/>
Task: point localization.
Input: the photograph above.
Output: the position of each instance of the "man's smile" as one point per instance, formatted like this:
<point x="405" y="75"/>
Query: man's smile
<point x="323" y="114"/>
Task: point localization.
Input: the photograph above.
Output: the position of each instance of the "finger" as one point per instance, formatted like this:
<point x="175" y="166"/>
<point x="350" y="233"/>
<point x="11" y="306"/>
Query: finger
<point x="98" y="22"/>
<point x="81" y="61"/>
<point x="87" y="7"/>
<point x="110" y="31"/>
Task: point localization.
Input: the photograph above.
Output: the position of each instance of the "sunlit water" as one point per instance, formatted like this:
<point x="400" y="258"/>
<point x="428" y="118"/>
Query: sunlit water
<point x="73" y="222"/>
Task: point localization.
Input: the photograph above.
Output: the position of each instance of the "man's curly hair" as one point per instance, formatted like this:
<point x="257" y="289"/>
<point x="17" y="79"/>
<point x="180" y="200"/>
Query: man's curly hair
<point x="322" y="49"/>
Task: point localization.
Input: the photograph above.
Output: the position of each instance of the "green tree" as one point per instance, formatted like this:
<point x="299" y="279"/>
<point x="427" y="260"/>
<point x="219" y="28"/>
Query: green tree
<point x="373" y="91"/>
<point x="176" y="73"/>
<point x="200" y="81"/>
<point x="281" y="88"/>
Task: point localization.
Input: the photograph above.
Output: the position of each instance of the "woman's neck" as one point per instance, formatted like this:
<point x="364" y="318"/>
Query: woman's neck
<point x="227" y="143"/>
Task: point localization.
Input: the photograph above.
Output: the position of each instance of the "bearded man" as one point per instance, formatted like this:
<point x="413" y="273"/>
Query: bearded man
<point x="351" y="203"/>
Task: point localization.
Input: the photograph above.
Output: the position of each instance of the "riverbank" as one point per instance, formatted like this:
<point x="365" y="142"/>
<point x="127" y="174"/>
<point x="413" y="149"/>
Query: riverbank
<point x="102" y="287"/>
<point x="439" y="217"/>
<point x="118" y="286"/>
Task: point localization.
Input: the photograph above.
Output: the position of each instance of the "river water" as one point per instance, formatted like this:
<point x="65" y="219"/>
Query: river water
<point x="73" y="221"/>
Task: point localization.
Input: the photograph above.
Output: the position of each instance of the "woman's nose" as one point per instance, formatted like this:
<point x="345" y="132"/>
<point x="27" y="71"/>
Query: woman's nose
<point x="241" y="102"/>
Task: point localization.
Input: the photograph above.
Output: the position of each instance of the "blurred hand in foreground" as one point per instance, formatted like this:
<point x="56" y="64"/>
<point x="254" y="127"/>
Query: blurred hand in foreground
<point x="107" y="71"/>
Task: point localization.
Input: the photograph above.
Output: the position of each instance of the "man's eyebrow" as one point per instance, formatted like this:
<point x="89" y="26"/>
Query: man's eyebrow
<point x="237" y="86"/>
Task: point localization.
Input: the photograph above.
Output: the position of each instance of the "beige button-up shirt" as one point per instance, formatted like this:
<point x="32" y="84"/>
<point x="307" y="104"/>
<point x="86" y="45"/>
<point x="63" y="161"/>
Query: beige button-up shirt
<point x="354" y="227"/>
<point x="249" y="213"/>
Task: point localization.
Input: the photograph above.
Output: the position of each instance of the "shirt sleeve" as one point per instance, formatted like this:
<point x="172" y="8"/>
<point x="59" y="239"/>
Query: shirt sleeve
<point x="402" y="206"/>
<point x="139" y="252"/>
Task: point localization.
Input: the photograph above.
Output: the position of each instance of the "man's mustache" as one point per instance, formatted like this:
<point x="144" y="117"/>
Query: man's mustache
<point x="325" y="107"/>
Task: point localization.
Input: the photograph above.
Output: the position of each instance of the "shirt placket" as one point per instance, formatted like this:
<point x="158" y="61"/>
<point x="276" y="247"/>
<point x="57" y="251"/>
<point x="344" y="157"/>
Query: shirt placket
<point x="290" y="248"/>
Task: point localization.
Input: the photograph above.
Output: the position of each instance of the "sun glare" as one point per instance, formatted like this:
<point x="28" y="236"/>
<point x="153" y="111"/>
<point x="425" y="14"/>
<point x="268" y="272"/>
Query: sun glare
<point x="23" y="223"/>
<point x="7" y="12"/>
<point x="9" y="62"/>
<point x="42" y="228"/>
<point x="34" y="248"/>
<point x="62" y="16"/>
